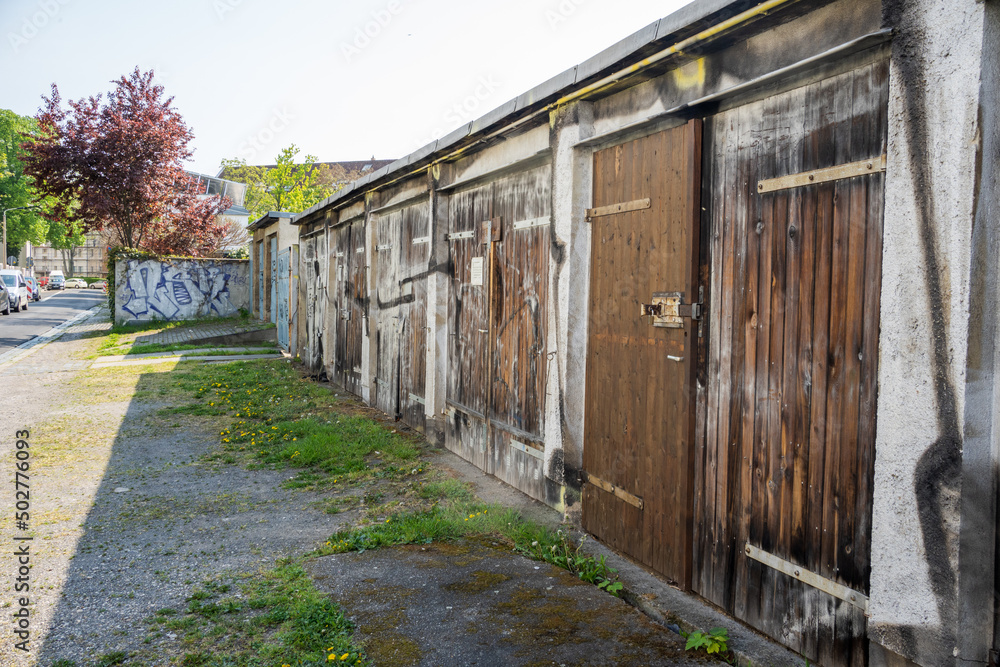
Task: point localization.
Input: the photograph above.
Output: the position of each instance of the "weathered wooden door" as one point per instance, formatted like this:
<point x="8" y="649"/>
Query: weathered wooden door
<point x="313" y="254"/>
<point x="388" y="315"/>
<point x="283" y="279"/>
<point x="349" y="301"/>
<point x="639" y="427"/>
<point x="784" y="486"/>
<point x="261" y="312"/>
<point x="497" y="369"/>
<point x="274" y="283"/>
<point x="468" y="319"/>
<point x="414" y="258"/>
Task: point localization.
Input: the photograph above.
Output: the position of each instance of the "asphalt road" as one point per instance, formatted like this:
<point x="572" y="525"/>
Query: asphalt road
<point x="55" y="308"/>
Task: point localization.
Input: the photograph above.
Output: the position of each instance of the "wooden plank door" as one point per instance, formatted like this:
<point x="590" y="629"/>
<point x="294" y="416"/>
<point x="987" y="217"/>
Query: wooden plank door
<point x="639" y="424"/>
<point x="389" y="317"/>
<point x="283" y="279"/>
<point x="414" y="256"/>
<point x="349" y="302"/>
<point x="313" y="252"/>
<point x="468" y="325"/>
<point x="784" y="472"/>
<point x="272" y="281"/>
<point x="519" y="327"/>
<point x="261" y="313"/>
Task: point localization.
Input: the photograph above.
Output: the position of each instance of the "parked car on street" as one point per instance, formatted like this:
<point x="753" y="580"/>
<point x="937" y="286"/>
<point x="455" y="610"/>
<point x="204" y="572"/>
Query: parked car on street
<point x="75" y="282"/>
<point x="34" y="289"/>
<point x="17" y="289"/>
<point x="43" y="281"/>
<point x="99" y="284"/>
<point x="4" y="299"/>
<point x="57" y="280"/>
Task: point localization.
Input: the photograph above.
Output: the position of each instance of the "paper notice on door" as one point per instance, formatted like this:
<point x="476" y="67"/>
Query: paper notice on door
<point x="477" y="271"/>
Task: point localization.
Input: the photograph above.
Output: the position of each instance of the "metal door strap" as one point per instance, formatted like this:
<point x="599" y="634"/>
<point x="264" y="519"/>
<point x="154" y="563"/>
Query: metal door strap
<point x="840" y="591"/>
<point x="621" y="494"/>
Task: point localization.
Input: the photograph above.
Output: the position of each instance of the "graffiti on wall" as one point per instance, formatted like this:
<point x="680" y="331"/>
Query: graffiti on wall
<point x="163" y="290"/>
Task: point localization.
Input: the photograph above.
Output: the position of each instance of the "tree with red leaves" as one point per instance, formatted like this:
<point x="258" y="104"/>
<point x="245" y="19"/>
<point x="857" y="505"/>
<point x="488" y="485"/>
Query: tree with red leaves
<point x="115" y="163"/>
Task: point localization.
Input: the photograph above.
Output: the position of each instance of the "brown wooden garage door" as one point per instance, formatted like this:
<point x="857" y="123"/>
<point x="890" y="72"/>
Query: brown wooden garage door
<point x="639" y="424"/>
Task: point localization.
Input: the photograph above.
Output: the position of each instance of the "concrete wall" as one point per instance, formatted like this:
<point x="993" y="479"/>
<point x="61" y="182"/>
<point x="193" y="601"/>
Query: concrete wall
<point x="934" y="165"/>
<point x="180" y="289"/>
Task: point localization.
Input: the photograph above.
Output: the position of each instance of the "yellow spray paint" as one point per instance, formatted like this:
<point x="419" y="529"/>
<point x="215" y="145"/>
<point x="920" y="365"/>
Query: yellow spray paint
<point x="691" y="75"/>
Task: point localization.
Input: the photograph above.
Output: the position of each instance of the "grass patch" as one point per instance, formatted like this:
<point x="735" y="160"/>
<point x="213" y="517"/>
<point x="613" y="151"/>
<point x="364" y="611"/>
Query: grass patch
<point x="278" y="618"/>
<point x="281" y="419"/>
<point x="112" y="658"/>
<point x="449" y="488"/>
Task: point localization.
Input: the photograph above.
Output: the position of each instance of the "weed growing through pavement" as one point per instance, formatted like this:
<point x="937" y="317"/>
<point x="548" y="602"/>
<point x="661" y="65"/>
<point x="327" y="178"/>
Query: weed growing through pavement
<point x="715" y="641"/>
<point x="275" y="617"/>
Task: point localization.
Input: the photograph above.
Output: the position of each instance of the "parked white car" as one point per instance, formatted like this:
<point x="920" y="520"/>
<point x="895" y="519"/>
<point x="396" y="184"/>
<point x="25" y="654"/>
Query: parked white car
<point x="75" y="282"/>
<point x="17" y="288"/>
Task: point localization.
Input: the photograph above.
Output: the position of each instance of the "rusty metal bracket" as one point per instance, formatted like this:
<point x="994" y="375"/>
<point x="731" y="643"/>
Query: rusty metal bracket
<point x="532" y="222"/>
<point x="622" y="207"/>
<point x="849" y="170"/>
<point x="668" y="310"/>
<point x="617" y="492"/>
<point x="828" y="586"/>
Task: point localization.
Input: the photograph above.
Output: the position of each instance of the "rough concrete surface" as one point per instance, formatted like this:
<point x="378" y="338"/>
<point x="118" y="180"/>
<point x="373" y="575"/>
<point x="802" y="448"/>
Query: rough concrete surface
<point x="478" y="603"/>
<point x="657" y="599"/>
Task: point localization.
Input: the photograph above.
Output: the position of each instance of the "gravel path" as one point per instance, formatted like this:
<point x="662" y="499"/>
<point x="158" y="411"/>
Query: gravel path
<point x="126" y="515"/>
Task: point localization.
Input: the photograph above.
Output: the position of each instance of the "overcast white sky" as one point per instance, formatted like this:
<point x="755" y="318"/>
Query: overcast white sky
<point x="342" y="80"/>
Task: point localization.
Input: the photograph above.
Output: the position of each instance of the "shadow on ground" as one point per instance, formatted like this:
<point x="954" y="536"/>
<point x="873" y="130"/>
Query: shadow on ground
<point x="162" y="522"/>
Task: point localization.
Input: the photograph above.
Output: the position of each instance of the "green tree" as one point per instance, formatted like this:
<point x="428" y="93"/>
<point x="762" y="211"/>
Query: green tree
<point x="284" y="186"/>
<point x="17" y="189"/>
<point x="67" y="237"/>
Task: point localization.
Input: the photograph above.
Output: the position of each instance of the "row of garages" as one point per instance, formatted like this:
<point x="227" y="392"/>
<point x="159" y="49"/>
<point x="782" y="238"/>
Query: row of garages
<point x="719" y="289"/>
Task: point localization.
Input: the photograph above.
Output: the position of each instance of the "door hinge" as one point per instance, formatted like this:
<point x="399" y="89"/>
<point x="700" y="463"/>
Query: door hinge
<point x="669" y="310"/>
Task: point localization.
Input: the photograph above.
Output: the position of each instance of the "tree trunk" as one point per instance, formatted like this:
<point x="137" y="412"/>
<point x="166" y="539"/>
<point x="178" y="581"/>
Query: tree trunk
<point x="67" y="255"/>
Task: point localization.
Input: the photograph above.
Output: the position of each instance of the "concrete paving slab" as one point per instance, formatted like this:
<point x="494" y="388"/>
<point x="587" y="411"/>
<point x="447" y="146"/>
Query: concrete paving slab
<point x="214" y="333"/>
<point x="476" y="602"/>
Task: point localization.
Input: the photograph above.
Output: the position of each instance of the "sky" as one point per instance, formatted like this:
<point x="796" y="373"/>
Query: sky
<point x="341" y="80"/>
